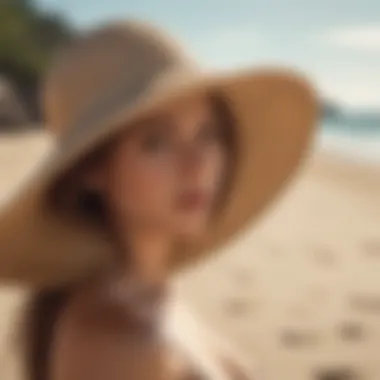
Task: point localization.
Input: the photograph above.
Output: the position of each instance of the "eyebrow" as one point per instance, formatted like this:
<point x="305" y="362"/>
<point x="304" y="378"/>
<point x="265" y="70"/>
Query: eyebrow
<point x="159" y="123"/>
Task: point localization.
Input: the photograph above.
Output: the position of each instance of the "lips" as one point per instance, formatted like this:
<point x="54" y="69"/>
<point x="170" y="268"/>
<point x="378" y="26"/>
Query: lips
<point x="193" y="200"/>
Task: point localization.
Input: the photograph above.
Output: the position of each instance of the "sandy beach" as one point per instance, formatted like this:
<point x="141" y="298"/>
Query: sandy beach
<point x="299" y="294"/>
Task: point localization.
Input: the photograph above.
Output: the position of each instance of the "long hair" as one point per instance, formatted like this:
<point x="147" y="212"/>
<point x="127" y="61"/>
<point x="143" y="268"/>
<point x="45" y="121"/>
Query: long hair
<point x="39" y="322"/>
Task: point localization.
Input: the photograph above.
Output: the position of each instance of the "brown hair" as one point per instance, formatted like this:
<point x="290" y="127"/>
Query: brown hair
<point x="40" y="319"/>
<point x="70" y="199"/>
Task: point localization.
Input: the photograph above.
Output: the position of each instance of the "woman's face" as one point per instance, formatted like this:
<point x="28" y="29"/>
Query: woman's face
<point x="168" y="171"/>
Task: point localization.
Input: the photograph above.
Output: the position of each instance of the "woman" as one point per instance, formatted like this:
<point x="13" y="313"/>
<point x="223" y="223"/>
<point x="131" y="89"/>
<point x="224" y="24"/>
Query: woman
<point x="156" y="164"/>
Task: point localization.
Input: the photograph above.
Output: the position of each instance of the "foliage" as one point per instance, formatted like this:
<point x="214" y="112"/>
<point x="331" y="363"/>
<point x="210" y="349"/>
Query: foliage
<point x="28" y="38"/>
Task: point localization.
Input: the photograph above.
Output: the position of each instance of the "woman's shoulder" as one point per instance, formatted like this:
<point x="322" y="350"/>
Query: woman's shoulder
<point x="204" y="347"/>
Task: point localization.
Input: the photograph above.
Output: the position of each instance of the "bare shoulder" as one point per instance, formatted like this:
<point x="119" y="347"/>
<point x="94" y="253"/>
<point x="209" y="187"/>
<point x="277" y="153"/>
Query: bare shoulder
<point x="205" y="348"/>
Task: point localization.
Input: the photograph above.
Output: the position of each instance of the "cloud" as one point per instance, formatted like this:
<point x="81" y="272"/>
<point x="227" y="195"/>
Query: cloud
<point x="363" y="38"/>
<point x="355" y="93"/>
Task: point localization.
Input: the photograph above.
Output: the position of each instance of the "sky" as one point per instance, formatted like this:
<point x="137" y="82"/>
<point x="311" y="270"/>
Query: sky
<point x="335" y="42"/>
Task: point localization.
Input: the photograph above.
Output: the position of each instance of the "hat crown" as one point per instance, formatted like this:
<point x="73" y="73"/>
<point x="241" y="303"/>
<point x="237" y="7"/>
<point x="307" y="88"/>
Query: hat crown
<point x="129" y="56"/>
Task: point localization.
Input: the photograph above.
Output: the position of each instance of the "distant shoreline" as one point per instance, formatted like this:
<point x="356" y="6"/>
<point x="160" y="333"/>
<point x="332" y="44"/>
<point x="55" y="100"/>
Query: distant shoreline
<point x="362" y="149"/>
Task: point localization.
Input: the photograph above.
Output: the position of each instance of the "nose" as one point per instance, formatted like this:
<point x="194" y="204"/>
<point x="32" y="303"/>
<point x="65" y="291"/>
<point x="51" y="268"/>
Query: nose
<point x="192" y="164"/>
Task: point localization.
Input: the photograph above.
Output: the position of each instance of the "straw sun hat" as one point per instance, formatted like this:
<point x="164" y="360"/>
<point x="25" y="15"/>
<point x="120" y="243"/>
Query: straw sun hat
<point x="102" y="83"/>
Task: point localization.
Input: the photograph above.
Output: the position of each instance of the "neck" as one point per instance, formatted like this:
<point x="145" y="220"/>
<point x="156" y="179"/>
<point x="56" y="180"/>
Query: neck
<point x="146" y="251"/>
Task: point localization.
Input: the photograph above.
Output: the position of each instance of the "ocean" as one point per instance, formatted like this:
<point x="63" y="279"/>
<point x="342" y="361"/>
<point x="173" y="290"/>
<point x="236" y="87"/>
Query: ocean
<point x="357" y="140"/>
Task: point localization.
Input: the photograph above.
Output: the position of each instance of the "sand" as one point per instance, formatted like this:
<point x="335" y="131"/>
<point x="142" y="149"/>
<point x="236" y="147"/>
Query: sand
<point x="299" y="293"/>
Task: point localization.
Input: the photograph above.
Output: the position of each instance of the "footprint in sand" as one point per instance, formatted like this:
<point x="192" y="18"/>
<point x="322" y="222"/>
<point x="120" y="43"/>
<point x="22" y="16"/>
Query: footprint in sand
<point x="364" y="303"/>
<point x="371" y="248"/>
<point x="324" y="256"/>
<point x="239" y="307"/>
<point x="351" y="331"/>
<point x="242" y="277"/>
<point x="299" y="338"/>
<point x="338" y="373"/>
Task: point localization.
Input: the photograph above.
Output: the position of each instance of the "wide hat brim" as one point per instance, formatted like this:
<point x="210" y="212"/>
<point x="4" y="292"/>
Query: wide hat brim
<point x="275" y="112"/>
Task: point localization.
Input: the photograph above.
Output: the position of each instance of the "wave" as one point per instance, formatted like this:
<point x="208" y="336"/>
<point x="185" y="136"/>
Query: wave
<point x="358" y="142"/>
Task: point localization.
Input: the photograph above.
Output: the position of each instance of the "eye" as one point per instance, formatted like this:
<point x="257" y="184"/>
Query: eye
<point x="155" y="142"/>
<point x="210" y="132"/>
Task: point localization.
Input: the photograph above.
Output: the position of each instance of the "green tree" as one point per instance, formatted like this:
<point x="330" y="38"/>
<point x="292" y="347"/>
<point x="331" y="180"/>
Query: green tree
<point x="28" y="38"/>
